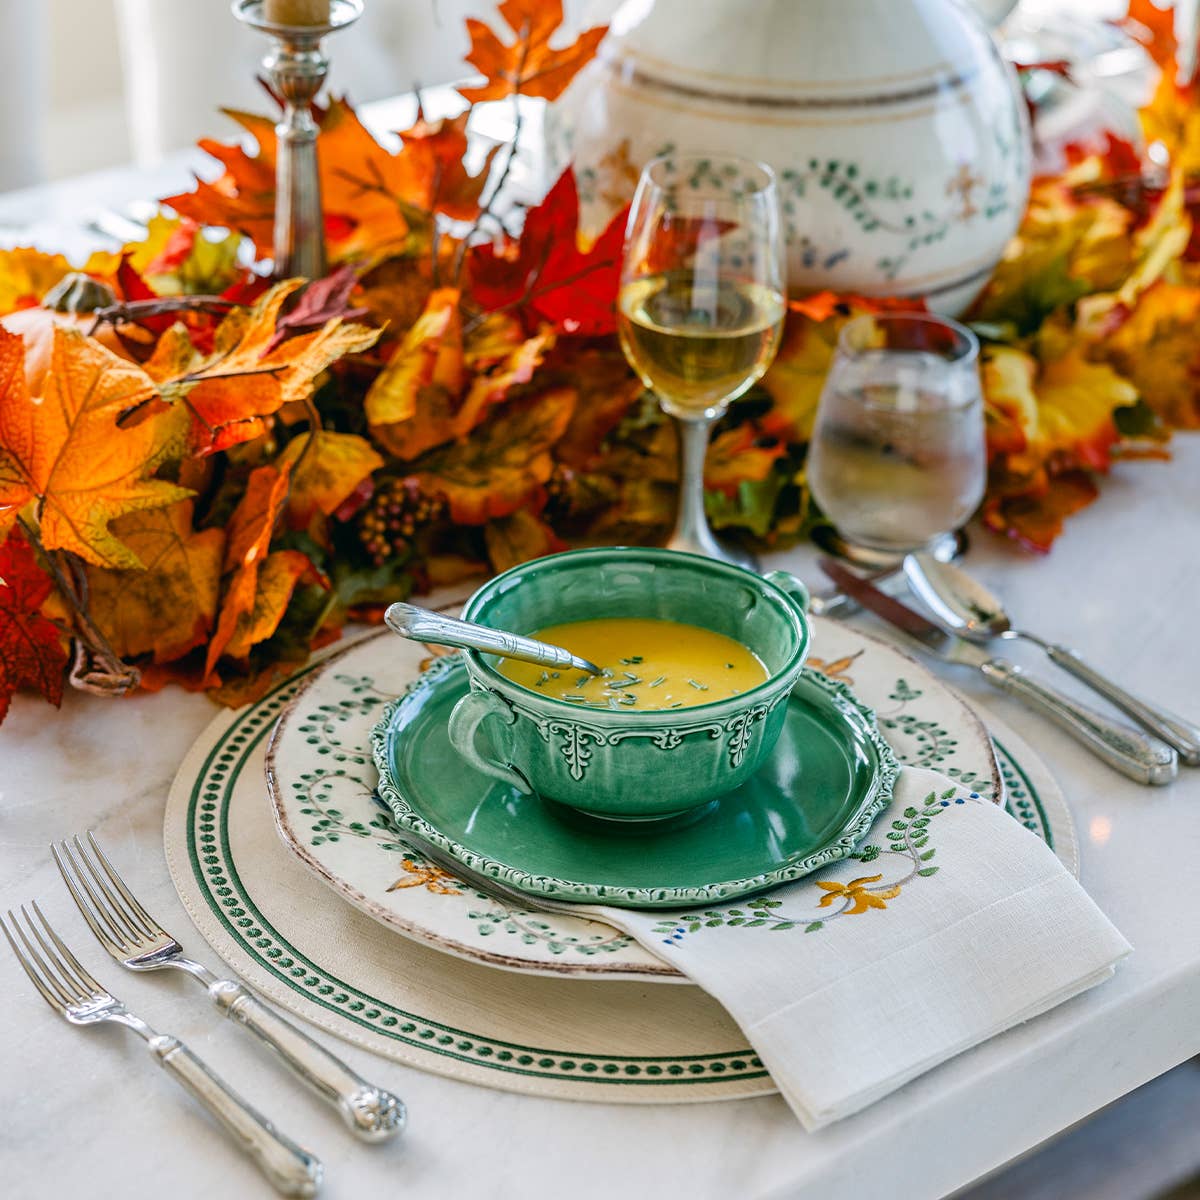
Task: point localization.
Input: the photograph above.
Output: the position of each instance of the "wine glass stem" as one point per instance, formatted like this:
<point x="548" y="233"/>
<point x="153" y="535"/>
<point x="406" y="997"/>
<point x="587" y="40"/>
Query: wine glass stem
<point x="691" y="525"/>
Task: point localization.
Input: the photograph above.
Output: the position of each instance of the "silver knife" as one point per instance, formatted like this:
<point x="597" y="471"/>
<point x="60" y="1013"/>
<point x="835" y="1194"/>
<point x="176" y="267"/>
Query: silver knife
<point x="1138" y="755"/>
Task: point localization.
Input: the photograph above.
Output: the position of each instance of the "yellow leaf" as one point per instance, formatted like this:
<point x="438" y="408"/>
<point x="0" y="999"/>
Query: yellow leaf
<point x="328" y="467"/>
<point x="168" y="607"/>
<point x="275" y="582"/>
<point x="26" y="275"/>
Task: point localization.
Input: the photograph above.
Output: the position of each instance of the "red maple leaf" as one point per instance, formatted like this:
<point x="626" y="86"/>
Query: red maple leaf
<point x="31" y="648"/>
<point x="322" y="300"/>
<point x="545" y="274"/>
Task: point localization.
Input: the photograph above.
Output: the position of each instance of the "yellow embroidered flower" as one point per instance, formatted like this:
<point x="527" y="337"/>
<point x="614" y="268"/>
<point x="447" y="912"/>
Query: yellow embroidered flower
<point x="859" y="892"/>
<point x="434" y="879"/>
<point x="837" y="668"/>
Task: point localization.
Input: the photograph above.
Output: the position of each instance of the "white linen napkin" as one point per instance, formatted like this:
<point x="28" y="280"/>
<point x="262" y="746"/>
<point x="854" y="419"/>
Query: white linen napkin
<point x="951" y="924"/>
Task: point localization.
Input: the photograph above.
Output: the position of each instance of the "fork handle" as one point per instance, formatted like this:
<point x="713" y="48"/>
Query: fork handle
<point x="291" y="1170"/>
<point x="1174" y="730"/>
<point x="370" y="1113"/>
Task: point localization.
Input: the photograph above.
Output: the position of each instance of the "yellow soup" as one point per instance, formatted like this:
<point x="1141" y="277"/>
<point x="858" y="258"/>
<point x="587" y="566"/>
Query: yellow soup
<point x="647" y="665"/>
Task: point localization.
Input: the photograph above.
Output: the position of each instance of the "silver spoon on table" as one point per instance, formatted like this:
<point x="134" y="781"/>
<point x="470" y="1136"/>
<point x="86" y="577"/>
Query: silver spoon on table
<point x="436" y="629"/>
<point x="966" y="607"/>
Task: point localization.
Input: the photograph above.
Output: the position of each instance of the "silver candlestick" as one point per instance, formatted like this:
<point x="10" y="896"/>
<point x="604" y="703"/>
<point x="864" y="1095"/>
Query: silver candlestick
<point x="296" y="66"/>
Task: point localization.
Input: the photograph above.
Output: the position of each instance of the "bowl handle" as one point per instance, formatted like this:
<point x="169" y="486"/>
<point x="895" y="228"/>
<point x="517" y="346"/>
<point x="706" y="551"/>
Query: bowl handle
<point x="469" y="713"/>
<point x="785" y="581"/>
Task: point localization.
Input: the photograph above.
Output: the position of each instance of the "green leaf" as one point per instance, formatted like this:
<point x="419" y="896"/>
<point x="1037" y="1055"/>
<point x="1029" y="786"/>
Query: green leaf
<point x="1138" y="421"/>
<point x="910" y="812"/>
<point x="928" y="871"/>
<point x="759" y="921"/>
<point x="783" y="925"/>
<point x="814" y="926"/>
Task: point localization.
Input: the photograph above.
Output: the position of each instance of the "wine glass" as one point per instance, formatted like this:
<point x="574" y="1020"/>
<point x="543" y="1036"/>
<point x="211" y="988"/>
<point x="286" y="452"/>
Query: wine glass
<point x="701" y="305"/>
<point x="898" y="459"/>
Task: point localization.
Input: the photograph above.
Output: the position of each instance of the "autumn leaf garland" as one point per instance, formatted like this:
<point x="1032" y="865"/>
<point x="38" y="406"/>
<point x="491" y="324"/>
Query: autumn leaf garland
<point x="202" y="476"/>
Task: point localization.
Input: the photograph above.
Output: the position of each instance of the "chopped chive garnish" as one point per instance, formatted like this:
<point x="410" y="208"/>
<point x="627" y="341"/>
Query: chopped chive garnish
<point x="677" y="704"/>
<point x="544" y="679"/>
<point x="700" y="687"/>
<point x="553" y="674"/>
<point x="582" y="681"/>
<point x="573" y="698"/>
<point x="655" y="682"/>
<point x="627" y="698"/>
<point x="729" y="666"/>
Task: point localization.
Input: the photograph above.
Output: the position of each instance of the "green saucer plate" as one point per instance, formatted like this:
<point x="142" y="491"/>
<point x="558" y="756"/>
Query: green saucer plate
<point x="811" y="804"/>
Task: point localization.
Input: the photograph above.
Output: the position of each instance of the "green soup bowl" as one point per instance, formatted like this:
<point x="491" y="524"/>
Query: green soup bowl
<point x="620" y="765"/>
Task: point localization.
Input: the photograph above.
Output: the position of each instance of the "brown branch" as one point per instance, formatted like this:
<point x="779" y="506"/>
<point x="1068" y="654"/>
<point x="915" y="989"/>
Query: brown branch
<point x="133" y="311"/>
<point x="115" y="676"/>
<point x="485" y="206"/>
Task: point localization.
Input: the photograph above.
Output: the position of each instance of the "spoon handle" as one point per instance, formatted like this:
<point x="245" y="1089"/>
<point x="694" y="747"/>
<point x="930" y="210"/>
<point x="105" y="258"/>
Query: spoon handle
<point x="1125" y="749"/>
<point x="1173" y="730"/>
<point x="424" y="625"/>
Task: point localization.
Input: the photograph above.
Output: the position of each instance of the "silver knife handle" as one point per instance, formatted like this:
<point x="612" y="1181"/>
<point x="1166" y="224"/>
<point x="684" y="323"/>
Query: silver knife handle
<point x="1173" y="730"/>
<point x="1128" y="750"/>
<point x="291" y="1170"/>
<point x="368" y="1111"/>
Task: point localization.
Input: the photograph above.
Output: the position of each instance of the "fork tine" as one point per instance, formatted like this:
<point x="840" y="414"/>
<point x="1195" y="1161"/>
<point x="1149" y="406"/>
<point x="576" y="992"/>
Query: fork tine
<point x="48" y="983"/>
<point x="71" y="982"/>
<point x="80" y="970"/>
<point x="116" y="908"/>
<point x="27" y="966"/>
<point x="99" y="921"/>
<point x="151" y="925"/>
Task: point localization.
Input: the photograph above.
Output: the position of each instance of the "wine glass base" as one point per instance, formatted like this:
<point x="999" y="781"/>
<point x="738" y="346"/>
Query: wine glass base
<point x="710" y="547"/>
<point x="946" y="547"/>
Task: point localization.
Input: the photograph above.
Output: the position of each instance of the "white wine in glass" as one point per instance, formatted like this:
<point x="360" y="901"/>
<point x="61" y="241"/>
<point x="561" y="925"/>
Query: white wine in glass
<point x="700" y="350"/>
<point x="701" y="306"/>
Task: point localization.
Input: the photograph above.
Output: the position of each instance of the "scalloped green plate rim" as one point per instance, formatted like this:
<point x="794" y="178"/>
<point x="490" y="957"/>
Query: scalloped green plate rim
<point x="814" y="801"/>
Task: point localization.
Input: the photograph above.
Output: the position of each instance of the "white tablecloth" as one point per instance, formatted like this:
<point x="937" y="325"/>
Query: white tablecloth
<point x="86" y="1114"/>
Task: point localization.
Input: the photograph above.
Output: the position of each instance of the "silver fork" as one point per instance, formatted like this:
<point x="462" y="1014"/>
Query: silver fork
<point x="138" y="942"/>
<point x="68" y="988"/>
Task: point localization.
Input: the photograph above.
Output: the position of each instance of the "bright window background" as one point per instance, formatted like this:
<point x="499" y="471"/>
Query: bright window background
<point x="101" y="82"/>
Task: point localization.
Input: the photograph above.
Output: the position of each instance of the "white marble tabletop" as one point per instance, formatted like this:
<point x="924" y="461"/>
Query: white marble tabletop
<point x="85" y="1112"/>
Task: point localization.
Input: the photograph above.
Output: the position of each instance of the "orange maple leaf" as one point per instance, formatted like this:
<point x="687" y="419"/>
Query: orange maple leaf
<point x="233" y="392"/>
<point x="421" y="399"/>
<point x="64" y="452"/>
<point x="529" y="66"/>
<point x="1154" y="28"/>
<point x="740" y="455"/>
<point x="373" y="198"/>
<point x="246" y="618"/>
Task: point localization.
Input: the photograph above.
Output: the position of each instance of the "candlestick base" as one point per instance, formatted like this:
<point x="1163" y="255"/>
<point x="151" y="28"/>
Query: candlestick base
<point x="296" y="66"/>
